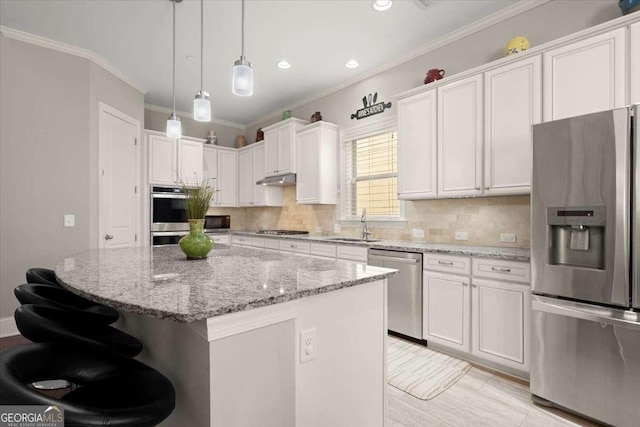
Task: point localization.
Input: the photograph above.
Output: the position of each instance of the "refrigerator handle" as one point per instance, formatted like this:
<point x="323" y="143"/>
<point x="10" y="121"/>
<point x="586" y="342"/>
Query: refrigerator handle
<point x="635" y="199"/>
<point x="602" y="315"/>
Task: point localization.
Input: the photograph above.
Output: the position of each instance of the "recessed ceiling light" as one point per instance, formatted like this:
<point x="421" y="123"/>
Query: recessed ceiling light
<point x="352" y="63"/>
<point x="285" y="65"/>
<point x="382" y="5"/>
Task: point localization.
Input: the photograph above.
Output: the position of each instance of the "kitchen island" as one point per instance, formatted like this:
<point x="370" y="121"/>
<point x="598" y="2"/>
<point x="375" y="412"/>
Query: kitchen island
<point x="249" y="338"/>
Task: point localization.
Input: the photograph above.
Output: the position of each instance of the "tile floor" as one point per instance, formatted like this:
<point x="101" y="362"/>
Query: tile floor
<point x="479" y="399"/>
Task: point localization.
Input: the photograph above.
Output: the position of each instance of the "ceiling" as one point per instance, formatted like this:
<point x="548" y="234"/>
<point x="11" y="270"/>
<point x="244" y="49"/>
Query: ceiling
<point x="316" y="36"/>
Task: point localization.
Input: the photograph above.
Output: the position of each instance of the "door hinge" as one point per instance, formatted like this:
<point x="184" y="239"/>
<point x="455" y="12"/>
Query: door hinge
<point x="135" y="189"/>
<point x="135" y="237"/>
<point x="102" y="172"/>
<point x="135" y="141"/>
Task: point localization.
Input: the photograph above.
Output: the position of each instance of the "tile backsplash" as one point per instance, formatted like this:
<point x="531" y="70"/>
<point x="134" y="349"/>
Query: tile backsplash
<point x="482" y="218"/>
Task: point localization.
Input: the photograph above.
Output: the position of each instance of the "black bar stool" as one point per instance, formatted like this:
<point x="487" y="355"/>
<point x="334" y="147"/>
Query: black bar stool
<point x="111" y="390"/>
<point x="43" y="276"/>
<point x="40" y="323"/>
<point x="32" y="293"/>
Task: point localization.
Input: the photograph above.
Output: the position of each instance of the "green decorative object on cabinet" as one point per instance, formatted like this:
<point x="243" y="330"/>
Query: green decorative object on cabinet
<point x="196" y="245"/>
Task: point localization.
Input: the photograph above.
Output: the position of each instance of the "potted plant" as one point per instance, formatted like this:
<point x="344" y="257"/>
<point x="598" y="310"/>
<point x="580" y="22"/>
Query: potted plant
<point x="196" y="245"/>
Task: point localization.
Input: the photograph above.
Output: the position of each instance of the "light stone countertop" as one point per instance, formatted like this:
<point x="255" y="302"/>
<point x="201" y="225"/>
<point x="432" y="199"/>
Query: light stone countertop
<point x="160" y="282"/>
<point x="497" y="252"/>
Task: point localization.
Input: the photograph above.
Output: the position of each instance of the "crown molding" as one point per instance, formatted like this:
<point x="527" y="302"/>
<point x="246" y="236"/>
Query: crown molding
<point x="187" y="115"/>
<point x="518" y="8"/>
<point x="30" y="38"/>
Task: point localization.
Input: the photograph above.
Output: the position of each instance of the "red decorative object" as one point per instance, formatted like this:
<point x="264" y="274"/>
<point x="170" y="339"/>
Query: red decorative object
<point x="259" y="135"/>
<point x="433" y="75"/>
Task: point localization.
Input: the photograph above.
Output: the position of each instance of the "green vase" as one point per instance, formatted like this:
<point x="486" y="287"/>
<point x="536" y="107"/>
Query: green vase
<point x="196" y="245"/>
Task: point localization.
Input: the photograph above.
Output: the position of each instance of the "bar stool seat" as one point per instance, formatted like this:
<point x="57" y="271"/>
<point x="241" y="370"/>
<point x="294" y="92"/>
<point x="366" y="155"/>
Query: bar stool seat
<point x="33" y="293"/>
<point x="43" y="276"/>
<point x="111" y="390"/>
<point x="40" y="323"/>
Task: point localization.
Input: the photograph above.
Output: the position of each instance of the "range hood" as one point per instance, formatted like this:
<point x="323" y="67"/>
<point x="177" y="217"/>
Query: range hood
<point x="279" y="180"/>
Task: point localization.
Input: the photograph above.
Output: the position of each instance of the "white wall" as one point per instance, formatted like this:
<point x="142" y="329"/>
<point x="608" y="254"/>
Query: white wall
<point x="548" y="22"/>
<point x="48" y="156"/>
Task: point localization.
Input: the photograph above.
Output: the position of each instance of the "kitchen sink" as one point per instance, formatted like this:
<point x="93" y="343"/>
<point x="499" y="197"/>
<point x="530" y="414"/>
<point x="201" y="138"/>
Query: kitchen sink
<point x="352" y="239"/>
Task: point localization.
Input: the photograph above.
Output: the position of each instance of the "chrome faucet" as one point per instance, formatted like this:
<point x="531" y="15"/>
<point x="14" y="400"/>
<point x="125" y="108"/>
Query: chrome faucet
<point x="365" y="228"/>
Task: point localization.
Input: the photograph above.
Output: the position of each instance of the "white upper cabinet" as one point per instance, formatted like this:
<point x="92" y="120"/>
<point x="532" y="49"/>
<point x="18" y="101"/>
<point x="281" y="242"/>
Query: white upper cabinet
<point x="250" y="170"/>
<point x="512" y="103"/>
<point x="317" y="164"/>
<point x="501" y="316"/>
<point x="417" y="144"/>
<point x="586" y="76"/>
<point x="460" y="138"/>
<point x="190" y="162"/>
<point x="635" y="63"/>
<point x="163" y="160"/>
<point x="172" y="161"/>
<point x="280" y="146"/>
<point x="227" y="178"/>
<point x="210" y="167"/>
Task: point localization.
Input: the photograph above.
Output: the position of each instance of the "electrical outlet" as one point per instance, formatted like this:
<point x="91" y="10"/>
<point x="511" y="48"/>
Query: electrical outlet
<point x="308" y="345"/>
<point x="318" y="229"/>
<point x="336" y="228"/>
<point x="507" y="237"/>
<point x="69" y="220"/>
<point x="462" y="235"/>
<point x="417" y="233"/>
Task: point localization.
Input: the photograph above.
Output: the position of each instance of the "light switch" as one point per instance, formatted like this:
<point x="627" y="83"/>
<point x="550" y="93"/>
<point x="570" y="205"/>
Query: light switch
<point x="336" y="228"/>
<point x="308" y="345"/>
<point x="462" y="235"/>
<point x="417" y="233"/>
<point x="69" y="220"/>
<point x="507" y="237"/>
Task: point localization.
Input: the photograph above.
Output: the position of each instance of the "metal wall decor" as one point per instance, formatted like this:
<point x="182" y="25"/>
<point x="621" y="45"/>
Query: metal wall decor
<point x="370" y="107"/>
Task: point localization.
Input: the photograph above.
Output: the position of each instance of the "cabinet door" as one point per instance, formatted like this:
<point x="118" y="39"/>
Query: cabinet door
<point x="586" y="76"/>
<point x="190" y="162"/>
<point x="635" y="63"/>
<point x="259" y="191"/>
<point x="271" y="152"/>
<point x="512" y="103"/>
<point x="501" y="313"/>
<point x="285" y="149"/>
<point x="417" y="158"/>
<point x="307" y="185"/>
<point x="446" y="310"/>
<point x="210" y="168"/>
<point x="245" y="178"/>
<point x="163" y="160"/>
<point x="227" y="176"/>
<point x="460" y="138"/>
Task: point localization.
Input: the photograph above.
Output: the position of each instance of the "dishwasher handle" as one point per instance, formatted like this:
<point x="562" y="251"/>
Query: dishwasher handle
<point x="392" y="258"/>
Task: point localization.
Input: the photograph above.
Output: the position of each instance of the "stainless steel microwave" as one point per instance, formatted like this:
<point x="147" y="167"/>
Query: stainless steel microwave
<point x="217" y="222"/>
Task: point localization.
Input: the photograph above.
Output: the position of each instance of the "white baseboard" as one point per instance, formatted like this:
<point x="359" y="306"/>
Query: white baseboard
<point x="8" y="327"/>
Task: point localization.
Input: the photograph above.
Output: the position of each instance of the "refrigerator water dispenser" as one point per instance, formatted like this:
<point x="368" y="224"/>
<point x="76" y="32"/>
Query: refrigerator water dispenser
<point x="577" y="236"/>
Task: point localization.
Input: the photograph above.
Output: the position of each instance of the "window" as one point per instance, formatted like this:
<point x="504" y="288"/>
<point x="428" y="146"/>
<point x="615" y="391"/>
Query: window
<point x="371" y="166"/>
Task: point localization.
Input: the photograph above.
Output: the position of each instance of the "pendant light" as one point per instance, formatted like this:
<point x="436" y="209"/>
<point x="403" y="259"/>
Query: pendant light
<point x="201" y="104"/>
<point x="242" y="71"/>
<point x="174" y="127"/>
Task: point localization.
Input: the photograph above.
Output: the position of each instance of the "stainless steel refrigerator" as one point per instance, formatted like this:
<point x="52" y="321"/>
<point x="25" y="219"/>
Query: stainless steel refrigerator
<point x="585" y="248"/>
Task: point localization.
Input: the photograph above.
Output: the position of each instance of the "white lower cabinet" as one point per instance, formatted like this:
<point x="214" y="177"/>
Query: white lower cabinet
<point x="446" y="310"/>
<point x="501" y="313"/>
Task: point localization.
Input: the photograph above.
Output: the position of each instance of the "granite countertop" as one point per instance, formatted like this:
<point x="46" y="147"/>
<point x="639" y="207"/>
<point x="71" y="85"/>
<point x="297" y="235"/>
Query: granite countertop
<point x="160" y="282"/>
<point x="504" y="253"/>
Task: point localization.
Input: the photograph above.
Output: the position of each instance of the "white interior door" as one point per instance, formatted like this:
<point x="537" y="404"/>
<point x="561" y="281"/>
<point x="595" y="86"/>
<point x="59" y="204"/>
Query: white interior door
<point x="119" y="201"/>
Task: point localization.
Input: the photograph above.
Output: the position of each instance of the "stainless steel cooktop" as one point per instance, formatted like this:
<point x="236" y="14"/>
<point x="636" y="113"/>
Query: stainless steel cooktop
<point x="282" y="232"/>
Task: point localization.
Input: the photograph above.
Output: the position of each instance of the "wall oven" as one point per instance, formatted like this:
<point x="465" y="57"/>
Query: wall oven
<point x="169" y="218"/>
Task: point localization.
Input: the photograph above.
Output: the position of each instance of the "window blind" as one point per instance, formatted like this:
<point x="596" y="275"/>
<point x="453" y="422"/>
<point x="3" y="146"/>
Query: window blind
<point x="371" y="167"/>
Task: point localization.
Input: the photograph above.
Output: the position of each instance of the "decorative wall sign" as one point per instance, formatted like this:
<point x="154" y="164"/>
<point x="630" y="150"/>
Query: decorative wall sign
<point x="370" y="107"/>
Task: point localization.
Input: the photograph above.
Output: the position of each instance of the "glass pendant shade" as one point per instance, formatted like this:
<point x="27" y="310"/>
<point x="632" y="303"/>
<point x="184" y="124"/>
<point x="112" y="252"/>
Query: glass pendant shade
<point x="174" y="127"/>
<point x="202" y="107"/>
<point x="242" y="78"/>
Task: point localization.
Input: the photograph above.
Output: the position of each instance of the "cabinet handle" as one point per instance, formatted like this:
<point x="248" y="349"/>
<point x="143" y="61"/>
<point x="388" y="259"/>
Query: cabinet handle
<point x="465" y="284"/>
<point x="501" y="270"/>
<point x="294" y="246"/>
<point x="478" y="188"/>
<point x="445" y="262"/>
<point x="474" y="285"/>
<point x="486" y="188"/>
<point x="108" y="237"/>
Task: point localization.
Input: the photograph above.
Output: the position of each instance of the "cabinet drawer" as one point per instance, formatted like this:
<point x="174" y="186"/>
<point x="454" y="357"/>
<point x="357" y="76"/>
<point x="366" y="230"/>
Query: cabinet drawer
<point x="323" y="250"/>
<point x="272" y="244"/>
<point x="447" y="263"/>
<point x="256" y="242"/>
<point x="220" y="238"/>
<point x="241" y="240"/>
<point x="298" y="247"/>
<point x="502" y="270"/>
<point x="352" y="253"/>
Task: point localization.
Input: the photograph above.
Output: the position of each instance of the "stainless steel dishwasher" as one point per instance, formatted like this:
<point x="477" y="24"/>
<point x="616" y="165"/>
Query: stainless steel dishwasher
<point x="404" y="290"/>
